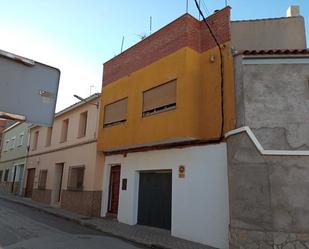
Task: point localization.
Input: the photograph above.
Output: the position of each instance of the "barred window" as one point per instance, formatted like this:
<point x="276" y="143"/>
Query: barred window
<point x="42" y="179"/>
<point x="76" y="178"/>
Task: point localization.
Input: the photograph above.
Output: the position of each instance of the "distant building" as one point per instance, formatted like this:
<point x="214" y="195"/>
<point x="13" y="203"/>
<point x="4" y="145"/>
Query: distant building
<point x="3" y="125"/>
<point x="270" y="33"/>
<point x="13" y="157"/>
<point x="63" y="166"/>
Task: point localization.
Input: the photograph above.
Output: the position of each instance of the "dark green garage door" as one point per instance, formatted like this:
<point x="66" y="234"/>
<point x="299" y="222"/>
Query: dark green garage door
<point x="155" y="199"/>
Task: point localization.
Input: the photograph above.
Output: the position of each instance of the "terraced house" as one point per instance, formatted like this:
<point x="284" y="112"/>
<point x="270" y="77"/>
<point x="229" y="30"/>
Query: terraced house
<point x="13" y="157"/>
<point x="173" y="158"/>
<point x="63" y="166"/>
<point x="166" y="104"/>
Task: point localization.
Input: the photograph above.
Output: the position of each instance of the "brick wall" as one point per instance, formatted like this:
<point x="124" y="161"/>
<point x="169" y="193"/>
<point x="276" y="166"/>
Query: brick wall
<point x="83" y="202"/>
<point x="185" y="31"/>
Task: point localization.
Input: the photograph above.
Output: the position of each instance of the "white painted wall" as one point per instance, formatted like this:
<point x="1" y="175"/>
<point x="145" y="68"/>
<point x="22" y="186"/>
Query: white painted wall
<point x="200" y="209"/>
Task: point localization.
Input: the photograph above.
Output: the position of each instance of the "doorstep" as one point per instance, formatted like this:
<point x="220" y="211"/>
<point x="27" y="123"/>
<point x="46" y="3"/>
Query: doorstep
<point x="147" y="236"/>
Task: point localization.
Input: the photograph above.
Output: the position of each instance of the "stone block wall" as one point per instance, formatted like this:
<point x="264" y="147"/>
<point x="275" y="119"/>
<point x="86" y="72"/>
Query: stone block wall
<point x="269" y="195"/>
<point x="269" y="198"/>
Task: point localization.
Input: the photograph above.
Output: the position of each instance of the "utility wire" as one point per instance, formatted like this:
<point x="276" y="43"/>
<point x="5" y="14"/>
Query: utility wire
<point x="205" y="7"/>
<point x="221" y="66"/>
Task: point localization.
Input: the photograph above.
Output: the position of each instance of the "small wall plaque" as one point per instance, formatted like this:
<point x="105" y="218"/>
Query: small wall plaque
<point x="181" y="171"/>
<point x="124" y="184"/>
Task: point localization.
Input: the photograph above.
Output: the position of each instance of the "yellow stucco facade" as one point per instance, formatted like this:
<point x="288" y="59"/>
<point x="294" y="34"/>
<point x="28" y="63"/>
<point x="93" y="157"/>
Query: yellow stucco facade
<point x="197" y="116"/>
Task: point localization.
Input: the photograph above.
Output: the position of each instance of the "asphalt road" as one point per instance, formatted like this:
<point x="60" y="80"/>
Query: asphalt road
<point x="27" y="228"/>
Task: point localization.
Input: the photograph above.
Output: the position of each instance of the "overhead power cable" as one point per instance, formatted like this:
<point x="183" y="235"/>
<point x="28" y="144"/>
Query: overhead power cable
<point x="205" y="7"/>
<point x="221" y="66"/>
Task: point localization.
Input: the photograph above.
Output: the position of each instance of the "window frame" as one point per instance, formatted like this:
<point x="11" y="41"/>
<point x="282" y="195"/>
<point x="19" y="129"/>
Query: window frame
<point x="75" y="188"/>
<point x="6" y="145"/>
<point x="21" y="139"/>
<point x="122" y="121"/>
<point x="35" y="140"/>
<point x="49" y="134"/>
<point x="64" y="138"/>
<point x="84" y="124"/>
<point x="6" y="175"/>
<point x="13" y="142"/>
<point x="160" y="109"/>
<point x="42" y="186"/>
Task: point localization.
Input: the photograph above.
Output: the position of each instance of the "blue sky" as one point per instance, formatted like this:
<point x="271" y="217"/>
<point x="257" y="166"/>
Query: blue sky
<point x="78" y="36"/>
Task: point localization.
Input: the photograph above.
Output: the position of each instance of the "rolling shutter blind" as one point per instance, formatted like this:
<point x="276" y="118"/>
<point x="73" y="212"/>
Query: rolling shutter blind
<point x="116" y="112"/>
<point x="159" y="96"/>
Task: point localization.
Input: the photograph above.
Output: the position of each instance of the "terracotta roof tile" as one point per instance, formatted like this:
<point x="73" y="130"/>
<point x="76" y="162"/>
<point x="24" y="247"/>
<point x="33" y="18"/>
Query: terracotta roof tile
<point x="266" y="19"/>
<point x="273" y="52"/>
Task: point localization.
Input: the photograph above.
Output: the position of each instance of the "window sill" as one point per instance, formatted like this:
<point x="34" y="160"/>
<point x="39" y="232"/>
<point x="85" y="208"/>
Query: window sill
<point x="75" y="189"/>
<point x="159" y="110"/>
<point x="115" y="123"/>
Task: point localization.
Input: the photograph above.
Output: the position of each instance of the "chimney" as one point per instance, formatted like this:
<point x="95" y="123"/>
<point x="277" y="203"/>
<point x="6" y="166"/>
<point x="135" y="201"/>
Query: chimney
<point x="293" y="10"/>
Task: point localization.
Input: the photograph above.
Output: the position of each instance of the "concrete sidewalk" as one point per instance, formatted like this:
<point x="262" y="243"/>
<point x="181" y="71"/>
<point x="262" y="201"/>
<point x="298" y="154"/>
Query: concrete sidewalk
<point x="148" y="236"/>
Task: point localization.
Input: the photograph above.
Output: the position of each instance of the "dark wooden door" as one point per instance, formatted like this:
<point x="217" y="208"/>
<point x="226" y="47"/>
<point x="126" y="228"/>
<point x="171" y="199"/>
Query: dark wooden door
<point x="30" y="181"/>
<point x="114" y="185"/>
<point x="155" y="199"/>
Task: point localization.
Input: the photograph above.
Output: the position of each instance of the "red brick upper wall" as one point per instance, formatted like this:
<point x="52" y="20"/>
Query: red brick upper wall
<point x="3" y="123"/>
<point x="185" y="31"/>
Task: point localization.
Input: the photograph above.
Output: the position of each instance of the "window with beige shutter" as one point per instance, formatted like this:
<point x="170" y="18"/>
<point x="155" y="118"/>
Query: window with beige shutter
<point x="159" y="99"/>
<point x="42" y="179"/>
<point x="76" y="178"/>
<point x="116" y="112"/>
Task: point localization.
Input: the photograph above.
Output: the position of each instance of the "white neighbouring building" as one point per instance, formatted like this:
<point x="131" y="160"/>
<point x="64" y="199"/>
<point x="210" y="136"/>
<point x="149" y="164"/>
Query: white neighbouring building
<point x="199" y="200"/>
